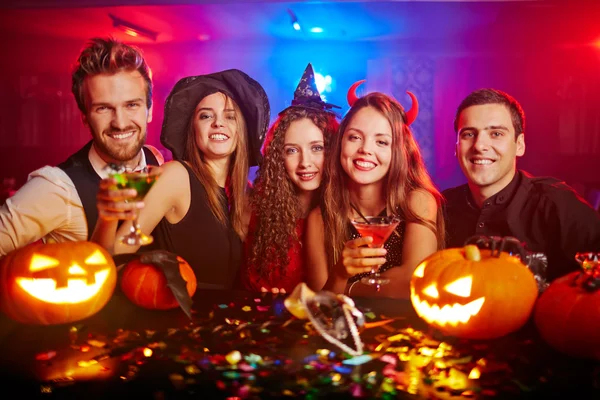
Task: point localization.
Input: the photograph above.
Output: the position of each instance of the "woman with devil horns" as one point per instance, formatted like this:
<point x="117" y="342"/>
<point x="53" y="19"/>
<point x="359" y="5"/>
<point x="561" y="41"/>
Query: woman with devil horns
<point x="374" y="168"/>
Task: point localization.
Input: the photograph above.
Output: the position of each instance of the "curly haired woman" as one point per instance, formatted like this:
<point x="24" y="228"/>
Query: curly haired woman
<point x="287" y="187"/>
<point x="374" y="168"/>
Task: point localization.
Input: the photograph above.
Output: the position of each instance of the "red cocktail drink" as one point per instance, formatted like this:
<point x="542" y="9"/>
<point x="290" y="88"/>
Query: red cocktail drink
<point x="379" y="232"/>
<point x="380" y="229"/>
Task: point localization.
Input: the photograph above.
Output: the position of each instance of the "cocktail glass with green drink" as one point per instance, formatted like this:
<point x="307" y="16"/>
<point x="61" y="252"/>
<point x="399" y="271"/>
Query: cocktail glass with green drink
<point x="141" y="181"/>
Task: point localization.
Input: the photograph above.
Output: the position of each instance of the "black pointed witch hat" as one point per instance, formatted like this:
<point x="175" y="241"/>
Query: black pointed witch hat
<point x="307" y="95"/>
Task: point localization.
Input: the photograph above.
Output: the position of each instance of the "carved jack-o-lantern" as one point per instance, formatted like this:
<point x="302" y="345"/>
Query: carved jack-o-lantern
<point x="472" y="293"/>
<point x="56" y="283"/>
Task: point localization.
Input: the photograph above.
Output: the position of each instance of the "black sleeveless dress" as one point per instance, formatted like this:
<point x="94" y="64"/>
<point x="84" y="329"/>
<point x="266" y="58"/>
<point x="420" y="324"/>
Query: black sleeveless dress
<point x="214" y="251"/>
<point x="393" y="246"/>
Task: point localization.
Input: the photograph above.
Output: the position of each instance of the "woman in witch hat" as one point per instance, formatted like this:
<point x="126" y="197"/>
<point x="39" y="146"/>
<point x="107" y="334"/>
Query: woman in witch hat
<point x="287" y="187"/>
<point x="214" y="125"/>
<point x="374" y="168"/>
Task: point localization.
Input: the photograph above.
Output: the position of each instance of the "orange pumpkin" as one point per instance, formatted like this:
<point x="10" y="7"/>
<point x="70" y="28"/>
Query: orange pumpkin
<point x="474" y="294"/>
<point x="56" y="283"/>
<point x="567" y="314"/>
<point x="146" y="285"/>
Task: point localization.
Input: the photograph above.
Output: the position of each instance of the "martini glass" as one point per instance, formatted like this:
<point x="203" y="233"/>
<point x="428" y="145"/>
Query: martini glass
<point x="141" y="181"/>
<point x="380" y="229"/>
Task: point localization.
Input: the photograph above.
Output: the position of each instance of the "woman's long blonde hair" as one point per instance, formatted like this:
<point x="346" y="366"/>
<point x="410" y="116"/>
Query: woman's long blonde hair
<point x="407" y="172"/>
<point x="237" y="176"/>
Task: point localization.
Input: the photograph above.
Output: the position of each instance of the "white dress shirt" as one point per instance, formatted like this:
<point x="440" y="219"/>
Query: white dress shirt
<point x="48" y="206"/>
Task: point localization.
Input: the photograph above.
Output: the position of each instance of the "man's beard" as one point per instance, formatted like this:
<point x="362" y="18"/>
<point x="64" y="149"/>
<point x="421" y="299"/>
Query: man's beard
<point x="121" y="153"/>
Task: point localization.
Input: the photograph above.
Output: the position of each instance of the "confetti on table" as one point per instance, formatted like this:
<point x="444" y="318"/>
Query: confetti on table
<point x="234" y="357"/>
<point x="358" y="360"/>
<point x="239" y="353"/>
<point x="45" y="356"/>
<point x="370" y="315"/>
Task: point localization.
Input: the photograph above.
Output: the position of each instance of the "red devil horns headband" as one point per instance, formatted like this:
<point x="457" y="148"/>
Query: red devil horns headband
<point x="411" y="114"/>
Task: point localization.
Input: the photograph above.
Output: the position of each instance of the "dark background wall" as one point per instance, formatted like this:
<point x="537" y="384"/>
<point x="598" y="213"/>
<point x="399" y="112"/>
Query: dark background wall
<point x="553" y="72"/>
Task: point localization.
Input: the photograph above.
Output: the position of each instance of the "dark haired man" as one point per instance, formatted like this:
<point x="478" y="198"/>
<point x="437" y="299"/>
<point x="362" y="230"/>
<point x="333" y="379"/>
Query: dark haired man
<point x="499" y="200"/>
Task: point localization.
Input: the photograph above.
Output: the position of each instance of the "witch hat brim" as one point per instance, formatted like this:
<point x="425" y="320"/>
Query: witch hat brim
<point x="188" y="92"/>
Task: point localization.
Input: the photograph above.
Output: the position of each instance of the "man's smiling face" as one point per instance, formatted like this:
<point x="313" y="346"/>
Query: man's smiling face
<point x="487" y="147"/>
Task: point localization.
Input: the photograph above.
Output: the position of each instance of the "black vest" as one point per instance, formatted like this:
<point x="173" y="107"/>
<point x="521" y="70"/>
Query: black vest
<point x="87" y="181"/>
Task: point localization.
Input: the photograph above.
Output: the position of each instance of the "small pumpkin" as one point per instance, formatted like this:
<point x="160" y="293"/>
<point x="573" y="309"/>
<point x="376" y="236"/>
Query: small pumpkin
<point x="567" y="314"/>
<point x="472" y="293"/>
<point x="56" y="283"/>
<point x="146" y="285"/>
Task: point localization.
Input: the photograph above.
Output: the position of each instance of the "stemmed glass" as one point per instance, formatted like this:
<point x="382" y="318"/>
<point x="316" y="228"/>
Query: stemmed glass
<point x="141" y="181"/>
<point x="379" y="228"/>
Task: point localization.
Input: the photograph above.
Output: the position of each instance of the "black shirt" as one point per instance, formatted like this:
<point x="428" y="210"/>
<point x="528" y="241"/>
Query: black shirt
<point x="544" y="213"/>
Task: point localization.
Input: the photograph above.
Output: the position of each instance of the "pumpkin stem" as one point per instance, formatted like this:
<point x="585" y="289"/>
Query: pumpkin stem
<point x="472" y="253"/>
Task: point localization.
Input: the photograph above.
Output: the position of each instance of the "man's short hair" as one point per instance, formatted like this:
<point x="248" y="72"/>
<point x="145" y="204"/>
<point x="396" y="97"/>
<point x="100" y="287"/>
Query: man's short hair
<point x="108" y="56"/>
<point x="493" y="96"/>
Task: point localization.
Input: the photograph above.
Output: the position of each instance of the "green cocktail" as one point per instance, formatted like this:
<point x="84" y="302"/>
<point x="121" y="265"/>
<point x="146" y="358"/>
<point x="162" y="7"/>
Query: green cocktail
<point x="142" y="182"/>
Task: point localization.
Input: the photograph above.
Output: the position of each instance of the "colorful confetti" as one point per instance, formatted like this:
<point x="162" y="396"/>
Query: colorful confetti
<point x="240" y="354"/>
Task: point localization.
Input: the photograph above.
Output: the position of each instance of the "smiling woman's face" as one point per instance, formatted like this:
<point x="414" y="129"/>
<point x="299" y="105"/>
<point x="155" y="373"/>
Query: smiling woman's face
<point x="215" y="126"/>
<point x="367" y="147"/>
<point x="304" y="154"/>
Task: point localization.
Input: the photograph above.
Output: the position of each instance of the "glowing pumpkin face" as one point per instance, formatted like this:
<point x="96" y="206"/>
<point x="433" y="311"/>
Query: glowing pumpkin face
<point x="56" y="283"/>
<point x="473" y="294"/>
<point x="453" y="294"/>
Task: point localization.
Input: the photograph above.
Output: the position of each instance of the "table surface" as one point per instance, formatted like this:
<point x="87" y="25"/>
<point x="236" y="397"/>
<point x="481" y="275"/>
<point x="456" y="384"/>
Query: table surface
<point x="188" y="356"/>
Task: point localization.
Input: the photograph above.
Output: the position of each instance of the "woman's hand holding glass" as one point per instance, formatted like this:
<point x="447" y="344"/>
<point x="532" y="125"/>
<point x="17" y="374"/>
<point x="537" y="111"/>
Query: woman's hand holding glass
<point x="357" y="258"/>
